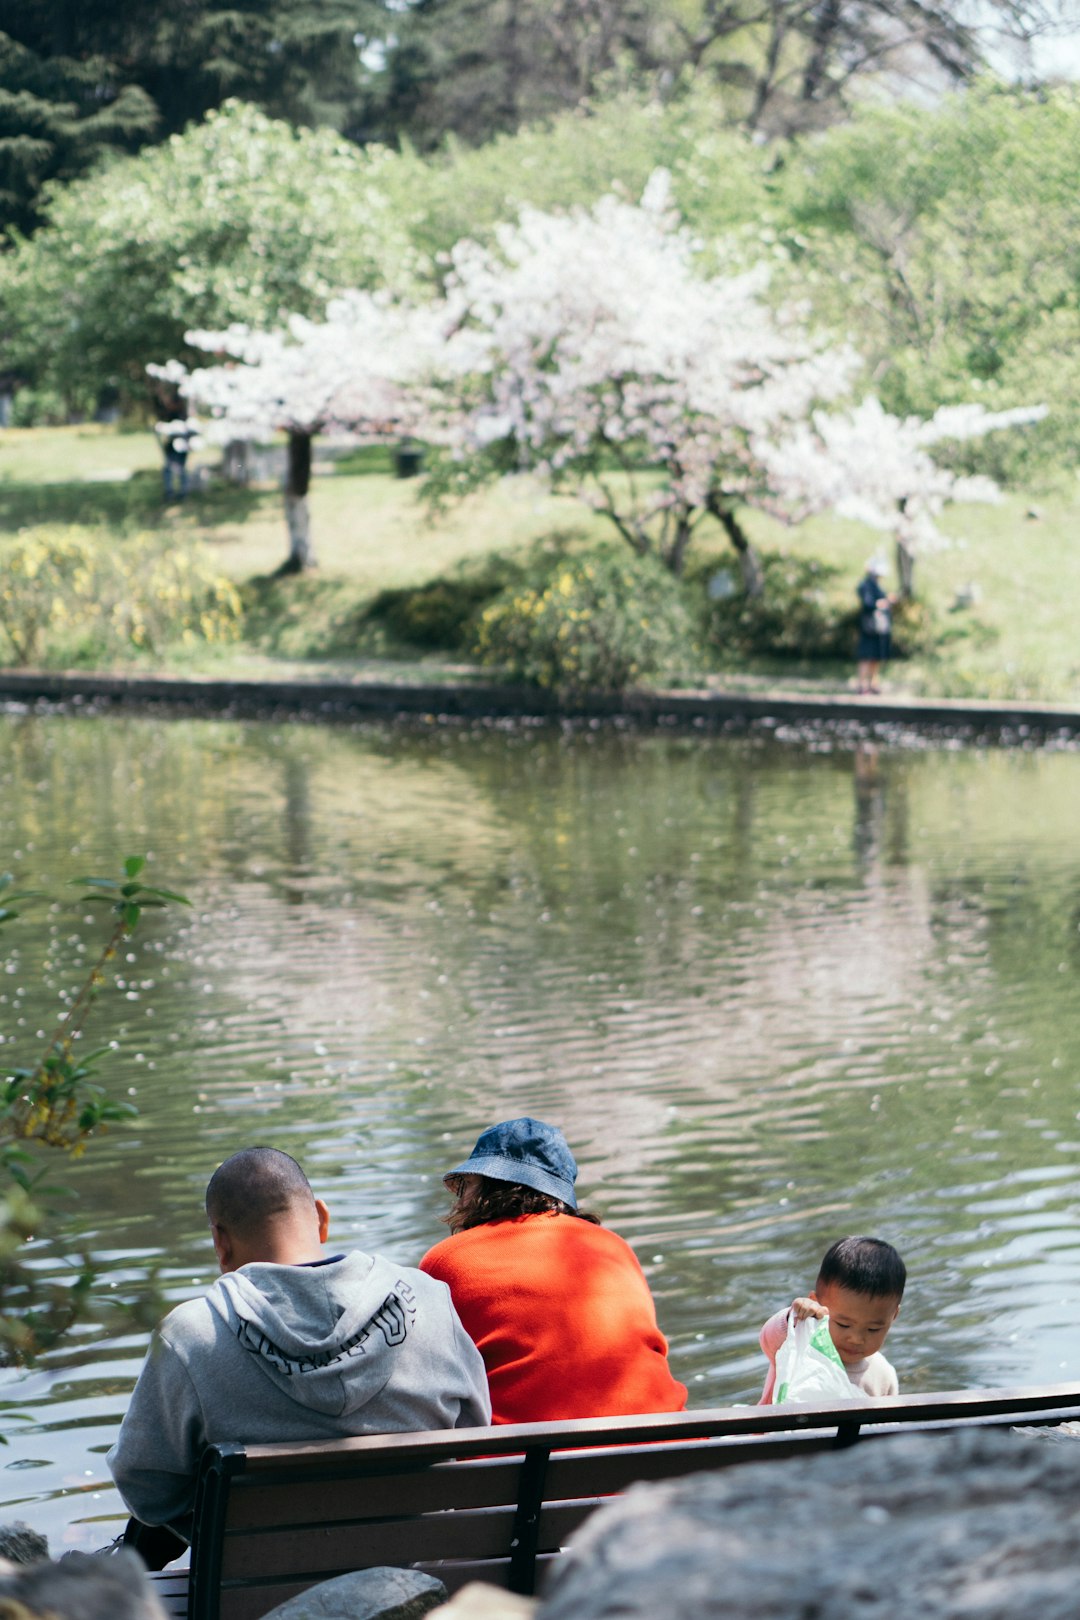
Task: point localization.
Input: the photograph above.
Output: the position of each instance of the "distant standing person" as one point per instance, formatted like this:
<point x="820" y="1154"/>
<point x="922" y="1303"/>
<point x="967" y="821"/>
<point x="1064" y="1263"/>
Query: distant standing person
<point x="875" y="625"/>
<point x="178" y="438"/>
<point x="558" y="1306"/>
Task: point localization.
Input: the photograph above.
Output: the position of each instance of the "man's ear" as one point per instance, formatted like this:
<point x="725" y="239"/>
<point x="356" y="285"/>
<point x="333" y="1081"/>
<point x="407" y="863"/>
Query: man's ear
<point x="896" y="1313"/>
<point x="223" y="1247"/>
<point x="324" y="1219"/>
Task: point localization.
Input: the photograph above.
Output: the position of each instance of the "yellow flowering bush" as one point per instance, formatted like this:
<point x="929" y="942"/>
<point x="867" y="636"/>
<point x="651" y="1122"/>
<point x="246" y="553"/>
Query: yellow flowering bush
<point x="67" y="595"/>
<point x="597" y="622"/>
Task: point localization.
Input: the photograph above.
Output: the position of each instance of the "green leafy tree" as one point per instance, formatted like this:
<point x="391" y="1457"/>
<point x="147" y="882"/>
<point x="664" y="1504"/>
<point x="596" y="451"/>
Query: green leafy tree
<point x="718" y="175"/>
<point x="83" y="77"/>
<point x="56" y="1106"/>
<point x="240" y="219"/>
<point x="950" y="240"/>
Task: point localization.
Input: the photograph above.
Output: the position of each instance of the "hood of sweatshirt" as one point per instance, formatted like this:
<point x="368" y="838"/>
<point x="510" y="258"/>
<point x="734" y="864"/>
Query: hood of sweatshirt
<point x="327" y="1333"/>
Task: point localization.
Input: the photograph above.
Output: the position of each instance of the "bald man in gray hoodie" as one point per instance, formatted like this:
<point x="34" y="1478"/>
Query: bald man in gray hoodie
<point x="287" y="1345"/>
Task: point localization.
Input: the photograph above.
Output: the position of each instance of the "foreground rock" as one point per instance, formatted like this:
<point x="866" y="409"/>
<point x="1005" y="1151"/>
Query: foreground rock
<point x="983" y="1525"/>
<point x="19" y="1544"/>
<point x="80" y="1588"/>
<point x="369" y="1594"/>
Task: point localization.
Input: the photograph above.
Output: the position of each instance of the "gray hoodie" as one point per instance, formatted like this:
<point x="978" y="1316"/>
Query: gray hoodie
<point x="353" y="1345"/>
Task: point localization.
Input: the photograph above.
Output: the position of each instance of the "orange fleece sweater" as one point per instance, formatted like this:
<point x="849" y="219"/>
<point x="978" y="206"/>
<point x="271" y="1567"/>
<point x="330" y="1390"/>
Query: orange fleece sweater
<point x="563" y="1317"/>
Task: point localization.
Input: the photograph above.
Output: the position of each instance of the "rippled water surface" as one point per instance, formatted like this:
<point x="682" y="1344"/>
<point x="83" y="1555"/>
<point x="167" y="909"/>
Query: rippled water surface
<point x="774" y="991"/>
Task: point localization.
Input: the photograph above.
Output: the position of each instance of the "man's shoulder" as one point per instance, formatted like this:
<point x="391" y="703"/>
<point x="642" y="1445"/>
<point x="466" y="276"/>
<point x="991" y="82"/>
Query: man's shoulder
<point x="192" y="1321"/>
<point x="411" y="1277"/>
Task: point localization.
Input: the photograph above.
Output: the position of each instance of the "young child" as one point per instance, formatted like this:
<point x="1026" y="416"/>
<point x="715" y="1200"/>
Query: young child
<point x="859" y="1287"/>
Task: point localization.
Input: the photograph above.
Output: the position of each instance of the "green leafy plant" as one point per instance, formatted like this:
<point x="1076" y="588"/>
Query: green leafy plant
<point x="57" y="1103"/>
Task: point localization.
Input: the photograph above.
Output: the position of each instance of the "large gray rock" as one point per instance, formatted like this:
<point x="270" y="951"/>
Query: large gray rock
<point x="81" y="1588"/>
<point x="370" y="1594"/>
<point x="19" y="1544"/>
<point x="982" y="1524"/>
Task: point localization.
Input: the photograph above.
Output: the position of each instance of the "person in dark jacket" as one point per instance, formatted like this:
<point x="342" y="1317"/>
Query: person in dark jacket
<point x="875" y="625"/>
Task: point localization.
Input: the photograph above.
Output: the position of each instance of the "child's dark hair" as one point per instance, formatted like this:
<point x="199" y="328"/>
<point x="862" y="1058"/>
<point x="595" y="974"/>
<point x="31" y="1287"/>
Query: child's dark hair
<point x="865" y="1265"/>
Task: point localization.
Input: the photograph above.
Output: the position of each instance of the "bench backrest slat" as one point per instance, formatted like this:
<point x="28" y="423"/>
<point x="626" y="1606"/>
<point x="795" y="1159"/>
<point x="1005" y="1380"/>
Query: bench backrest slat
<point x="328" y="1501"/>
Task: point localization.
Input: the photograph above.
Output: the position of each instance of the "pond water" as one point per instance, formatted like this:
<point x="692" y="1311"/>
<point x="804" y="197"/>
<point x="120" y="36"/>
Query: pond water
<point x="775" y="989"/>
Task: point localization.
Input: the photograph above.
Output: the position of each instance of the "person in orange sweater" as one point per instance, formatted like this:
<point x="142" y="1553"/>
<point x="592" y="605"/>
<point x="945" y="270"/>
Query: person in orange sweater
<point x="557" y="1305"/>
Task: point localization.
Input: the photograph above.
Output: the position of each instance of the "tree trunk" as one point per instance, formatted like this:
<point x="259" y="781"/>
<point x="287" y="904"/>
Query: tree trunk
<point x="905" y="568"/>
<point x="676" y="552"/>
<point x="236" y="462"/>
<point x="297" y="512"/>
<point x="826" y="27"/>
<point x="767" y="77"/>
<point x="512" y="69"/>
<point x="753" y="576"/>
<point x="905" y="552"/>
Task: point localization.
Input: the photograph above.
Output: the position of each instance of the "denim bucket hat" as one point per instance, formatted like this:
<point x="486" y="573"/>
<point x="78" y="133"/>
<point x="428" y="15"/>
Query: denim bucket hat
<point x="525" y="1151"/>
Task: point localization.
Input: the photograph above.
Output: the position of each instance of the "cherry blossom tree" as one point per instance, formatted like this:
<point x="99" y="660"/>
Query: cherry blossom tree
<point x="592" y="348"/>
<point x="345" y="375"/>
<point x="877" y="468"/>
<point x="589" y="347"/>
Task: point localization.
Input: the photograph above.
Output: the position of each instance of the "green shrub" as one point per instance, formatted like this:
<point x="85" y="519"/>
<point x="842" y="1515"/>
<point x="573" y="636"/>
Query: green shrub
<point x="916" y="629"/>
<point x="37" y="407"/>
<point x="594" y="622"/>
<point x="807" y="610"/>
<point x="440" y="613"/>
<point x="65" y="596"/>
<point x="443" y="613"/>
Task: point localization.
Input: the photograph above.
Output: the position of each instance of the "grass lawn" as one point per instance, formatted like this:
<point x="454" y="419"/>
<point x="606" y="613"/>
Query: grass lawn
<point x="372" y="533"/>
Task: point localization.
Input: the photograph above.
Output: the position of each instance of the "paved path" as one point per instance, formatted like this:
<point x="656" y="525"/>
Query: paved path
<point x="476" y="700"/>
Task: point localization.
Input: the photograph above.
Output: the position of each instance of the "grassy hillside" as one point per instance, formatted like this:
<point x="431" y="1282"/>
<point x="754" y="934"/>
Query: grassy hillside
<point x="373" y="533"/>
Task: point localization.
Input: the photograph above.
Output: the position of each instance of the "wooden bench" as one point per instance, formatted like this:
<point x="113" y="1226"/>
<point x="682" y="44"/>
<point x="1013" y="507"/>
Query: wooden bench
<point x="497" y="1504"/>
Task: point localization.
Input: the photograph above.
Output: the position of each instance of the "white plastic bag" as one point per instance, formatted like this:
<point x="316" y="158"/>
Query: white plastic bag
<point x="808" y="1366"/>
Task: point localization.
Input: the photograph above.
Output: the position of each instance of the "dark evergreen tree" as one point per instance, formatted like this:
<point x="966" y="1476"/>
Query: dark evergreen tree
<point x="81" y="76"/>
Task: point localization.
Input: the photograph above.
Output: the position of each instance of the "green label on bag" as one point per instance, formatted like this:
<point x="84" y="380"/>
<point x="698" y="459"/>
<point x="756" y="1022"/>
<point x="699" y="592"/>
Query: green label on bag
<point x="822" y="1343"/>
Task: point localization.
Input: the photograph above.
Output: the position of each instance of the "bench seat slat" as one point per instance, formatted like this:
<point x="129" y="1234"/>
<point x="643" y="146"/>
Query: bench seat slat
<point x="171" y="1590"/>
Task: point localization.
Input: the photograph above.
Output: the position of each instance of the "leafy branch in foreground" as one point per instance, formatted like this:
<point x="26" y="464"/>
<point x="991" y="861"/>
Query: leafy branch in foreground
<point x="59" y="1104"/>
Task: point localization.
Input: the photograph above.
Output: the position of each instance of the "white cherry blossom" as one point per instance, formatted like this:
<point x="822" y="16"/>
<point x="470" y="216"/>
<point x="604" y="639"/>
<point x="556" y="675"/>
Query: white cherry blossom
<point x="344" y="375"/>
